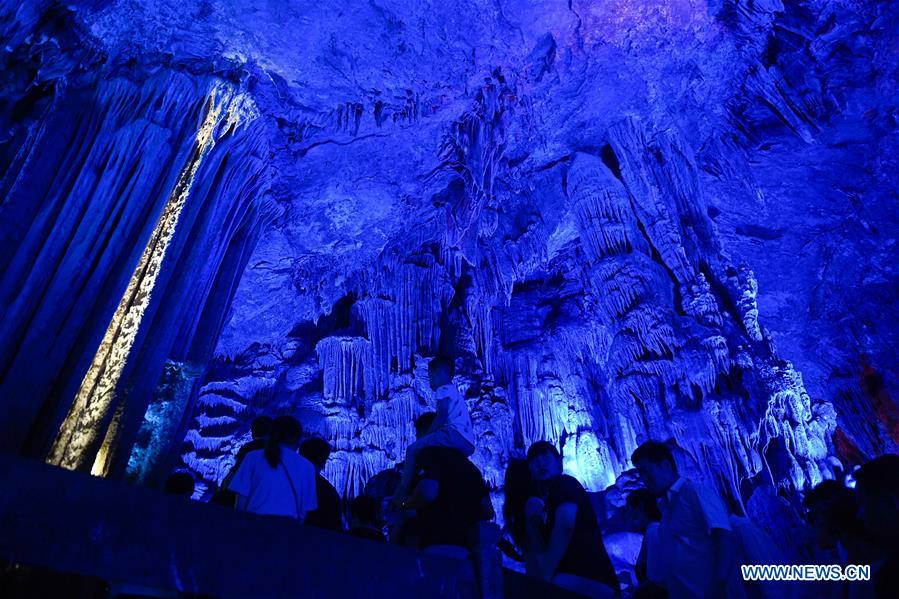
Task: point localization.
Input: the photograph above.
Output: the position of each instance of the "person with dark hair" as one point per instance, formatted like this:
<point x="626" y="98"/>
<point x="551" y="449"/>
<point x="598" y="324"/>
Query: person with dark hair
<point x="382" y="487"/>
<point x="276" y="480"/>
<point x="453" y="510"/>
<point x="454" y="513"/>
<point x="643" y="512"/>
<point x="564" y="543"/>
<point x="180" y="483"/>
<point x="423" y="423"/>
<point x="364" y="522"/>
<point x="451" y="427"/>
<point x="327" y="514"/>
<point x="653" y="452"/>
<point x="832" y="514"/>
<point x="260" y="429"/>
<point x="449" y="495"/>
<point x="695" y="532"/>
<point x="877" y="494"/>
<point x="517" y="490"/>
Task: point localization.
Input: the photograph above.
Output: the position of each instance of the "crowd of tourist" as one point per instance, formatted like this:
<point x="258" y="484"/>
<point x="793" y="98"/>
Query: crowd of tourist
<point x="438" y="502"/>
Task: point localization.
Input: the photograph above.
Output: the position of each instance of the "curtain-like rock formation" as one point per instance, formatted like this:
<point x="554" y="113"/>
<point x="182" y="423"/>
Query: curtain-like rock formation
<point x="130" y="213"/>
<point x="624" y="220"/>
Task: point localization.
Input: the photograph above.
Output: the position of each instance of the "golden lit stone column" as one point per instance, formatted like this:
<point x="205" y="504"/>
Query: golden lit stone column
<point x="86" y="423"/>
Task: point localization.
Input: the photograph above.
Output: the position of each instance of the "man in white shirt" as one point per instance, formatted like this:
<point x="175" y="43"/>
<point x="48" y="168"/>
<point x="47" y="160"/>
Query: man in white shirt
<point x="695" y="539"/>
<point x="277" y="481"/>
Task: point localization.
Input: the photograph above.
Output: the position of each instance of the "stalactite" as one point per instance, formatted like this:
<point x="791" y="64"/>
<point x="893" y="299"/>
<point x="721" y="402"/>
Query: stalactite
<point x="652" y="363"/>
<point x="746" y="290"/>
<point x="602" y="208"/>
<point x="553" y="225"/>
<point x="544" y="412"/>
<point x="643" y="343"/>
<point x="224" y="412"/>
<point x="479" y="313"/>
<point x="343" y="361"/>
<point x="701" y="304"/>
<point x="717" y="348"/>
<point x="152" y="190"/>
<point x="379" y="318"/>
<point x="80" y="430"/>
<point x="491" y="414"/>
<point x="474" y="147"/>
<point x="348" y="471"/>
<point x="392" y="419"/>
<point x="767" y="85"/>
<point x="589" y="460"/>
<point x="793" y="434"/>
<point x="218" y="229"/>
<point x="645" y="173"/>
<point x="75" y="256"/>
<point x="402" y="316"/>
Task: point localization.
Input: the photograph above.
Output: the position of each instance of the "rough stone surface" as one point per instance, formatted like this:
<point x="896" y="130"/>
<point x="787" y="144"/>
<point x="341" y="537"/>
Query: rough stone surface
<point x="625" y="220"/>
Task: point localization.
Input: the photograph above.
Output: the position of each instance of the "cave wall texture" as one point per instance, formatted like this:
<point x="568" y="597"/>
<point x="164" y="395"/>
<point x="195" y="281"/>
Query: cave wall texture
<point x="625" y="219"/>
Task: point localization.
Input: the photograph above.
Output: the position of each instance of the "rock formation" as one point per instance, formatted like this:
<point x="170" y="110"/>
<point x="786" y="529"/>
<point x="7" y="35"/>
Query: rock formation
<point x="625" y="220"/>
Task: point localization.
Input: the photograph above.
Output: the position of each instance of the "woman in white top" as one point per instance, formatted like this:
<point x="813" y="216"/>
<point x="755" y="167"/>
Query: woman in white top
<point x="277" y="481"/>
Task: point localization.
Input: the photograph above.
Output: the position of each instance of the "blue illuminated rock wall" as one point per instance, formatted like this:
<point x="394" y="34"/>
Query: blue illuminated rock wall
<point x="98" y="152"/>
<point x="626" y="220"/>
<point x="590" y="220"/>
